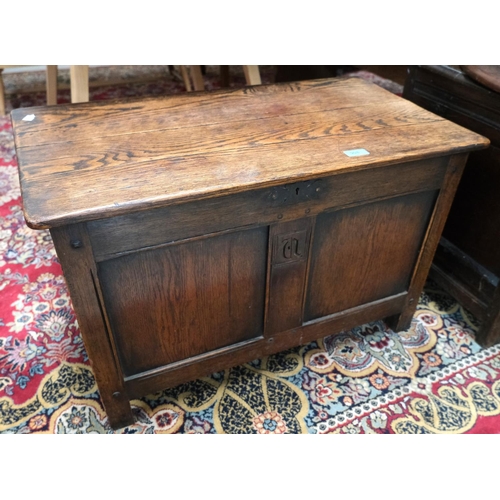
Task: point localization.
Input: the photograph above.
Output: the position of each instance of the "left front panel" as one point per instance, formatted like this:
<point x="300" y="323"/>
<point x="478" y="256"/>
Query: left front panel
<point x="182" y="300"/>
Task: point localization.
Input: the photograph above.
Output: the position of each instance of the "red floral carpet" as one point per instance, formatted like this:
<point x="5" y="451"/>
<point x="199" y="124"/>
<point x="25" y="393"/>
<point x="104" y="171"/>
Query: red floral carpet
<point x="434" y="378"/>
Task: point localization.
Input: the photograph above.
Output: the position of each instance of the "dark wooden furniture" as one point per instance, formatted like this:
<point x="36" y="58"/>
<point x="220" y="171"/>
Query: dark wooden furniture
<point x="197" y="232"/>
<point x="467" y="262"/>
<point x="489" y="76"/>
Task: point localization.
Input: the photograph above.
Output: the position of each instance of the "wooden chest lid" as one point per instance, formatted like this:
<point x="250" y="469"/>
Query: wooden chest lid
<point x="89" y="161"/>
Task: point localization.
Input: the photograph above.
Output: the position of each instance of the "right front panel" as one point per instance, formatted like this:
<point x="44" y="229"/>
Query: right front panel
<point x="365" y="253"/>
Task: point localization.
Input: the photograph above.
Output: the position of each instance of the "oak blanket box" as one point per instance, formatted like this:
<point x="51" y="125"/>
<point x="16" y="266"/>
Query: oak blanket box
<point x="201" y="231"/>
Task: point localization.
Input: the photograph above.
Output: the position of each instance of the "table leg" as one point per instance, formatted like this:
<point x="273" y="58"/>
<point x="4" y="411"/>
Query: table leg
<point x="224" y="76"/>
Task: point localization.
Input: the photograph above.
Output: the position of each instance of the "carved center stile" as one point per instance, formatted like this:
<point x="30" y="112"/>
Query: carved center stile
<point x="290" y="247"/>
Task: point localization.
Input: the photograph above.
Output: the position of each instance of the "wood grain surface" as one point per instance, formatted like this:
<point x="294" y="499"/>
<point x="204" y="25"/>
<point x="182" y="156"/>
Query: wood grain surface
<point x="382" y="238"/>
<point x="94" y="160"/>
<point x="183" y="300"/>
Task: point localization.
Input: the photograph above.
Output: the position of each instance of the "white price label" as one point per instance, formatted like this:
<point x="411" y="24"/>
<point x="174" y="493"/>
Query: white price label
<point x="356" y="152"/>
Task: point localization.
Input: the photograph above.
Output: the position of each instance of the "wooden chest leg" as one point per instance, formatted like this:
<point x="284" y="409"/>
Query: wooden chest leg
<point x="443" y="204"/>
<point x="75" y="254"/>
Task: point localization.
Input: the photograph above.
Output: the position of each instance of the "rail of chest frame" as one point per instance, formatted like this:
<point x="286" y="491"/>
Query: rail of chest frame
<point x="109" y="256"/>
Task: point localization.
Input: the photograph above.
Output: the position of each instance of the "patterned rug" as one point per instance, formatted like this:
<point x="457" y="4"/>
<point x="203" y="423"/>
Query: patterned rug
<point x="433" y="378"/>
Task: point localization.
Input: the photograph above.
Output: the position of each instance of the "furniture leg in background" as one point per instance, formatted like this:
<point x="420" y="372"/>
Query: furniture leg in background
<point x="186" y="79"/>
<point x="51" y="86"/>
<point x="489" y="333"/>
<point x="224" y="76"/>
<point x="252" y="75"/>
<point x="80" y="81"/>
<point x="197" y="77"/>
<point x="191" y="75"/>
<point x="79" y="76"/>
